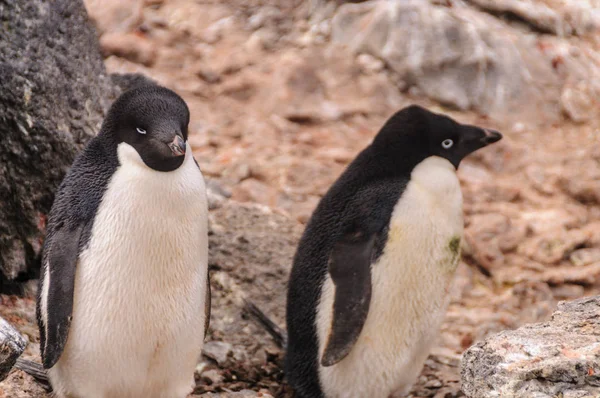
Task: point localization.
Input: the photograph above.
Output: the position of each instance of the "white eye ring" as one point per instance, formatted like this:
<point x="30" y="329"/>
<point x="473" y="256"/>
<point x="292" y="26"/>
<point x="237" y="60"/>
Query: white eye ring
<point x="447" y="143"/>
<point x="140" y="130"/>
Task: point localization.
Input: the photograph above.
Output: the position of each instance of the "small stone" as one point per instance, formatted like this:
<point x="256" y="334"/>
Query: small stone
<point x="115" y="16"/>
<point x="568" y="291"/>
<point x="259" y="19"/>
<point x="129" y="46"/>
<point x="585" y="256"/>
<point x="340" y="155"/>
<point x="434" y="383"/>
<point x="577" y="394"/>
<point x="253" y="190"/>
<point x="215" y="194"/>
<point x="12" y="345"/>
<point x="577" y="104"/>
<point x="212" y="376"/>
<point x="238" y="172"/>
<point x="215" y="32"/>
<point x="218" y="351"/>
<point x="206" y="73"/>
<point x="262" y="39"/>
<point x="518" y="127"/>
<point x="369" y="63"/>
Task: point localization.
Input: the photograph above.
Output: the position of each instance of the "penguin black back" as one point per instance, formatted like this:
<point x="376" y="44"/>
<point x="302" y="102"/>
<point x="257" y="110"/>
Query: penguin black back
<point x="351" y="222"/>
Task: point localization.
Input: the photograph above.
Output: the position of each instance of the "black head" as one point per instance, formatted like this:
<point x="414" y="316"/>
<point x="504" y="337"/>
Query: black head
<point x="415" y="133"/>
<point x="153" y="120"/>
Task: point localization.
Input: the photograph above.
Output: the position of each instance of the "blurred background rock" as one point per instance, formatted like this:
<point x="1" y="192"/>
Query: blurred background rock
<point x="283" y="95"/>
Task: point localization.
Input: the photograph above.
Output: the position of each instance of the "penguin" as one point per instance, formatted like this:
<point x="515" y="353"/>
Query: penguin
<point x="124" y="294"/>
<point x="368" y="289"/>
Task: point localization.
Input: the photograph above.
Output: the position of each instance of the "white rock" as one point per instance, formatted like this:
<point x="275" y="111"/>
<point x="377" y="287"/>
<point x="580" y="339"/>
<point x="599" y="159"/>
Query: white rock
<point x="560" y="357"/>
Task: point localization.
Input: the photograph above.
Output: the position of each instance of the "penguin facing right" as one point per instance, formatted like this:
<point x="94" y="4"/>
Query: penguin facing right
<point x="124" y="296"/>
<point x="369" y="284"/>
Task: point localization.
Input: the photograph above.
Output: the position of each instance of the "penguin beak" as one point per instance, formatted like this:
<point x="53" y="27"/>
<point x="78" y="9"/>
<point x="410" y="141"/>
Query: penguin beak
<point x="473" y="138"/>
<point x="177" y="146"/>
<point x="490" y="137"/>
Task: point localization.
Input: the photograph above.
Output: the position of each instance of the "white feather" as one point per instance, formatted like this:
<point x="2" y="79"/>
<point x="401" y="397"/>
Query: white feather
<point x="138" y="310"/>
<point x="410" y="283"/>
<point x="44" y="298"/>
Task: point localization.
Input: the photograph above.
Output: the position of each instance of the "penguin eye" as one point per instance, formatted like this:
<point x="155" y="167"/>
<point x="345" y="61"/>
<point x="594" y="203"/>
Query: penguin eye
<point x="446" y="144"/>
<point x="140" y="130"/>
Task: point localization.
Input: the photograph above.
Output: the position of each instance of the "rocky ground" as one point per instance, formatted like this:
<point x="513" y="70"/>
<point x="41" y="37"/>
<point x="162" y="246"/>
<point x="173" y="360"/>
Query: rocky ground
<point x="280" y="106"/>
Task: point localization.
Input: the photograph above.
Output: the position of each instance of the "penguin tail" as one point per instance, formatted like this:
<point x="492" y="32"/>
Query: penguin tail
<point x="35" y="370"/>
<point x="279" y="335"/>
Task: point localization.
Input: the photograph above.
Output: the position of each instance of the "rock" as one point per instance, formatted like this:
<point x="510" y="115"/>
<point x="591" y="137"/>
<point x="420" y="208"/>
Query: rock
<point x="251" y="251"/>
<point x="218" y="351"/>
<point x="573" y="16"/>
<point x="585" y="256"/>
<point x="130" y="46"/>
<point x="253" y="190"/>
<point x="115" y="16"/>
<point x="301" y="97"/>
<point x="585" y="190"/>
<point x="205" y="73"/>
<point x="212" y="376"/>
<point x="577" y="103"/>
<point x="369" y="63"/>
<point x="215" y="31"/>
<point x="553" y="246"/>
<point x="568" y="292"/>
<point x="129" y="81"/>
<point x="262" y="39"/>
<point x="215" y="194"/>
<point x="55" y="93"/>
<point x="455" y="55"/>
<point x="21" y="385"/>
<point x="12" y="345"/>
<point x="560" y="357"/>
<point x="264" y="15"/>
<point x="587" y="275"/>
<point x="239" y="394"/>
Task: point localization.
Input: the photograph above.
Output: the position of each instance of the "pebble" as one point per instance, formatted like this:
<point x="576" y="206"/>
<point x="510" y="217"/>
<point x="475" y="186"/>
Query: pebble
<point x="206" y="73"/>
<point x="218" y="351"/>
<point x="585" y="256"/>
<point x="577" y="104"/>
<point x="369" y="63"/>
<point x="212" y="376"/>
<point x="115" y="16"/>
<point x="129" y="46"/>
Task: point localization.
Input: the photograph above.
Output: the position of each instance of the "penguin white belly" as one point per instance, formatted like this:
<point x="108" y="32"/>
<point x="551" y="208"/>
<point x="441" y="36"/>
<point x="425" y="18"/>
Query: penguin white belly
<point x="410" y="283"/>
<point x="138" y="308"/>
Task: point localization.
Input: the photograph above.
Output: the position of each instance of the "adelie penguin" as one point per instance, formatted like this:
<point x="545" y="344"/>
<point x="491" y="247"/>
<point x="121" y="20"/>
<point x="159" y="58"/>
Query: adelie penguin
<point x="124" y="297"/>
<point x="369" y="285"/>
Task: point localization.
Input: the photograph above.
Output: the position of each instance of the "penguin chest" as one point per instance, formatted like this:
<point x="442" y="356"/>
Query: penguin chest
<point x="410" y="283"/>
<point x="138" y="311"/>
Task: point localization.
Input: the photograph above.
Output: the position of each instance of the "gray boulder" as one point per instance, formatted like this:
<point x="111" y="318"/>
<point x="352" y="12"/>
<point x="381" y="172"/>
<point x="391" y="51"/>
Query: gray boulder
<point x="55" y="92"/>
<point x="558" y="358"/>
<point x="12" y="345"/>
<point x="565" y="18"/>
<point x="458" y="56"/>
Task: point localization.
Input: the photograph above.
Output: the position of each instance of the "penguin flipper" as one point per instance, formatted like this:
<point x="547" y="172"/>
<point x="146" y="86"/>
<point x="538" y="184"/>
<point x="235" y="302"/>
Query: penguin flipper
<point x="62" y="262"/>
<point x="207" y="303"/>
<point x="350" y="270"/>
<point x="208" y="297"/>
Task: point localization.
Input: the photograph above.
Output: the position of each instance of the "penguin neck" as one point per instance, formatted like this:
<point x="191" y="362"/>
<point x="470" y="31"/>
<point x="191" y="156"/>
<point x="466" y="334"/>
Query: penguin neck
<point x="437" y="176"/>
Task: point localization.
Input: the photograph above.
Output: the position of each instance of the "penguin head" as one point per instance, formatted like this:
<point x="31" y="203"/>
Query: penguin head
<point x="415" y="133"/>
<point x="154" y="121"/>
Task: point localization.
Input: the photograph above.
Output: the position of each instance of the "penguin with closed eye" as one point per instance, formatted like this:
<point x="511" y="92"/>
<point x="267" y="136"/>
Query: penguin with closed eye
<point x="124" y="296"/>
<point x="369" y="285"/>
